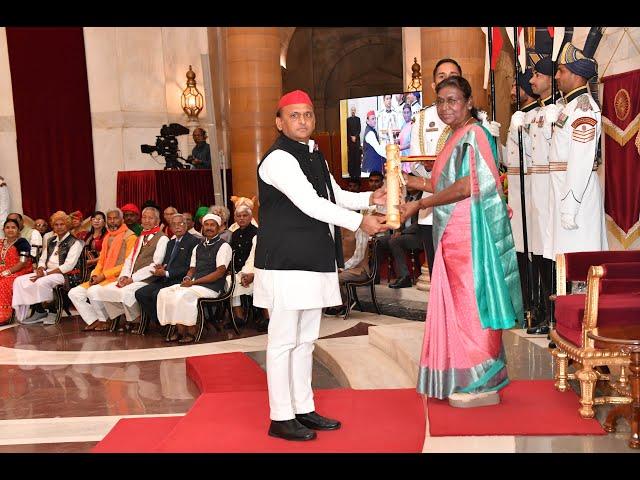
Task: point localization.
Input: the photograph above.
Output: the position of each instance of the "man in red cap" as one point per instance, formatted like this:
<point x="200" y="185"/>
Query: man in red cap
<point x="131" y="215"/>
<point x="298" y="253"/>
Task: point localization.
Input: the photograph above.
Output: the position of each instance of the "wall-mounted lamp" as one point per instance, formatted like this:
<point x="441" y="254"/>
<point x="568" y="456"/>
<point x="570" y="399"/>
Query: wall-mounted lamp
<point x="416" y="77"/>
<point x="191" y="101"/>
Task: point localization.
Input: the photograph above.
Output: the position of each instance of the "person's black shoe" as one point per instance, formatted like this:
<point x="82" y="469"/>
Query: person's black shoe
<point x="541" y="329"/>
<point x="290" y="430"/>
<point x="402" y="282"/>
<point x="340" y="311"/>
<point x="317" y="422"/>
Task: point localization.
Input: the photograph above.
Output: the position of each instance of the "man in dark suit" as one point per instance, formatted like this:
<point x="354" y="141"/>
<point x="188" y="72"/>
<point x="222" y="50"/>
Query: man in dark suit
<point x="401" y="241"/>
<point x="354" y="149"/>
<point x="174" y="266"/>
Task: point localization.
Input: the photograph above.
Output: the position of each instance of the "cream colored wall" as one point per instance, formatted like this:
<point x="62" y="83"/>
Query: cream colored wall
<point x="136" y="77"/>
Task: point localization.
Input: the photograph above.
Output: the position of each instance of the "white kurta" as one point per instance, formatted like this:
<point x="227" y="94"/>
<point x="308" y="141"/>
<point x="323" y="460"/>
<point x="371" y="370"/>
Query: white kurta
<point x="246" y="269"/>
<point x="576" y="190"/>
<point x="512" y="160"/>
<point x="540" y="135"/>
<point x="297" y="289"/>
<point x="115" y="300"/>
<point x="179" y="305"/>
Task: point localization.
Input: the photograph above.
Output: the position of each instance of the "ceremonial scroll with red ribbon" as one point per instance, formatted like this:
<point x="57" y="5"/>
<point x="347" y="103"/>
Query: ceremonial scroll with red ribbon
<point x="621" y="122"/>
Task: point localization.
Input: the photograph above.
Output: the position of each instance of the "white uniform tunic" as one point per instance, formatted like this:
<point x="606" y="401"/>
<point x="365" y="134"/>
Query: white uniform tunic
<point x="512" y="160"/>
<point x="575" y="188"/>
<point x="540" y="135"/>
<point x="391" y="119"/>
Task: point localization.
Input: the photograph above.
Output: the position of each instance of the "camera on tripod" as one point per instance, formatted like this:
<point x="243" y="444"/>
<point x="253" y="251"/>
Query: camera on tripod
<point x="167" y="145"/>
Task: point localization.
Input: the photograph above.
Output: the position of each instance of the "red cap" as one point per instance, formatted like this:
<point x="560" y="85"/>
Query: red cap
<point x="371" y="112"/>
<point x="293" y="98"/>
<point x="77" y="213"/>
<point x="130" y="207"/>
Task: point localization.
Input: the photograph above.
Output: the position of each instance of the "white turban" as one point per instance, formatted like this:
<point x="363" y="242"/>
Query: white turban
<point x="212" y="216"/>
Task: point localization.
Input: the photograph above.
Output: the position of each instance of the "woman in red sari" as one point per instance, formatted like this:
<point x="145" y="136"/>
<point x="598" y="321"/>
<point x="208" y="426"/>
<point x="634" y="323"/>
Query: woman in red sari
<point x="15" y="260"/>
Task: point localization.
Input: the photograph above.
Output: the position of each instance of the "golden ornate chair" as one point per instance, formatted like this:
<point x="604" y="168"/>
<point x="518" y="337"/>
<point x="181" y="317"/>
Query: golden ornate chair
<point x="612" y="298"/>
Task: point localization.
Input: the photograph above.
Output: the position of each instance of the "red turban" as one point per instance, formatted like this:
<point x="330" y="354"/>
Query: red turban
<point x="130" y="207"/>
<point x="371" y="112"/>
<point x="293" y="98"/>
<point x="77" y="214"/>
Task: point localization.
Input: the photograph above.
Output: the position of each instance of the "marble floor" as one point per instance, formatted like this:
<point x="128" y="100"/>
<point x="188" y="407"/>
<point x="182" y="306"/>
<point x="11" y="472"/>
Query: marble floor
<point x="62" y="389"/>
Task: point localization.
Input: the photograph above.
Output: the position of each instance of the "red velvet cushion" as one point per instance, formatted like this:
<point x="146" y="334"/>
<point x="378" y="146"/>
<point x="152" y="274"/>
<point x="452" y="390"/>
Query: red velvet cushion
<point x="613" y="309"/>
<point x="622" y="270"/>
<point x="578" y="263"/>
<point x="619" y="285"/>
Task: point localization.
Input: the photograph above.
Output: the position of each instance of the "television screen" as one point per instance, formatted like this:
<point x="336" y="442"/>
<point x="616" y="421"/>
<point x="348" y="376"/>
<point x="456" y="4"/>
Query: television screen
<point x="368" y="124"/>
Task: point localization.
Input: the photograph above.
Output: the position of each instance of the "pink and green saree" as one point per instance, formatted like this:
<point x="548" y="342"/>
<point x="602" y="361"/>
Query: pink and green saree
<point x="475" y="286"/>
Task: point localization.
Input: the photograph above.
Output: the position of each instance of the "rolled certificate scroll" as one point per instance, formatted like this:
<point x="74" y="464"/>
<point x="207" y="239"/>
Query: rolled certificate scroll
<point x="395" y="180"/>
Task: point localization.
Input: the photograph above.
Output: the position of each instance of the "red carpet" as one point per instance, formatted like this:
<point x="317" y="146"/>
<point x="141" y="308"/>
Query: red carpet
<point x="136" y="435"/>
<point x="528" y="407"/>
<point x="372" y="421"/>
<point x="226" y="372"/>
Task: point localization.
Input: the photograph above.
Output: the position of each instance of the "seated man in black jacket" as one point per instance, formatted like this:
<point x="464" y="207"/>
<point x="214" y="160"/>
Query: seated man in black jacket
<point x="401" y="241"/>
<point x="174" y="266"/>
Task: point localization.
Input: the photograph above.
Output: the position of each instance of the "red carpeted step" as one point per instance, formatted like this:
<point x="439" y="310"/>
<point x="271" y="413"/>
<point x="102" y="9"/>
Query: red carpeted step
<point x="372" y="421"/>
<point x="136" y="435"/>
<point x="226" y="372"/>
<point x="527" y="407"/>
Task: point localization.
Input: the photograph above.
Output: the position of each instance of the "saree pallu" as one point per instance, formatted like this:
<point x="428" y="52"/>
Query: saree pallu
<point x="6" y="283"/>
<point x="475" y="289"/>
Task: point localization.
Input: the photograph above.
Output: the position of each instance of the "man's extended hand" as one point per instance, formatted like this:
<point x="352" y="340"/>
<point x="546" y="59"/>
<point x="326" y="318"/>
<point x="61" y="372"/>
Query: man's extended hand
<point x="96" y="279"/>
<point x="124" y="281"/>
<point x="246" y="279"/>
<point x="160" y="271"/>
<point x="379" y="197"/>
<point x="372" y="224"/>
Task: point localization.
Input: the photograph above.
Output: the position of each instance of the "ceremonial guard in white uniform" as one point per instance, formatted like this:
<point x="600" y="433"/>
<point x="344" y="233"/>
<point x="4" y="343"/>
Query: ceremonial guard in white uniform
<point x="578" y="222"/>
<point x="388" y="118"/>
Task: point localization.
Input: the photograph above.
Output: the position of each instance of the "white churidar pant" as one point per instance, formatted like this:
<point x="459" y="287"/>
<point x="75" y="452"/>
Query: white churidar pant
<point x="117" y="301"/>
<point x="90" y="312"/>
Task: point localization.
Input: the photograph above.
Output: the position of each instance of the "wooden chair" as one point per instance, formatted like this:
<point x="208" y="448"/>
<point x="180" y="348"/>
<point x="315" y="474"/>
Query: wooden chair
<point x="61" y="292"/>
<point x="609" y="300"/>
<point x="350" y="286"/>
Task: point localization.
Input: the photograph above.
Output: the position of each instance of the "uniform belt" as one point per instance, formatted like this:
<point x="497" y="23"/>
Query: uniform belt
<point x="515" y="171"/>
<point x="539" y="169"/>
<point x="562" y="166"/>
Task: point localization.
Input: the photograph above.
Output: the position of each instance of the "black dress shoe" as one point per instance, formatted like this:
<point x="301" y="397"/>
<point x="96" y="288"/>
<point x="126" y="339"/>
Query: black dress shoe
<point x="290" y="430"/>
<point x="317" y="422"/>
<point x="541" y="329"/>
<point x="403" y="282"/>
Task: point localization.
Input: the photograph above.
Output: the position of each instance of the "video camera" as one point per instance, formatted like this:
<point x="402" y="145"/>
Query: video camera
<point x="167" y="145"/>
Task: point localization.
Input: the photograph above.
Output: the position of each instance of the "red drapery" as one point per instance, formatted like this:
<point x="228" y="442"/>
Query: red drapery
<point x="621" y="121"/>
<point x="184" y="189"/>
<point x="53" y="119"/>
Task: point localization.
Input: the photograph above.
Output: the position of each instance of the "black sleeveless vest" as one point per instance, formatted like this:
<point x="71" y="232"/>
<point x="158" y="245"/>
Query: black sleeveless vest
<point x="206" y="264"/>
<point x="288" y="239"/>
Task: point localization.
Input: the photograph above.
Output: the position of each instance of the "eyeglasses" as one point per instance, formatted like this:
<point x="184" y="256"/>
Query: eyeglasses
<point x="451" y="102"/>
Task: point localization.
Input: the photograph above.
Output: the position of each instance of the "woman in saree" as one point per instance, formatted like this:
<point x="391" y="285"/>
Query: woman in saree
<point x="475" y="287"/>
<point x="15" y="260"/>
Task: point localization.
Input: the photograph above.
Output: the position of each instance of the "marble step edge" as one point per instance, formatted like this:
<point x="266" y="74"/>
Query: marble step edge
<point x="402" y="343"/>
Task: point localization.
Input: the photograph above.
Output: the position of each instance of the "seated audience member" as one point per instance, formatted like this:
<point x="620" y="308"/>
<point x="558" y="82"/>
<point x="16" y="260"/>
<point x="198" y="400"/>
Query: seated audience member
<point x="173" y="268"/>
<point x="243" y="242"/>
<point x="224" y="213"/>
<point x="166" y="225"/>
<point x="246" y="202"/>
<point x="188" y="218"/>
<point x="355" y="247"/>
<point x="376" y="179"/>
<point x="177" y="305"/>
<point x="200" y="212"/>
<point x="117" y="244"/>
<point x="15" y="260"/>
<point x="41" y="225"/>
<point x="353" y="185"/>
<point x="95" y="236"/>
<point x="76" y="225"/>
<point x="118" y="298"/>
<point x="31" y="235"/>
<point x="400" y="242"/>
<point x="59" y="259"/>
<point x="131" y="215"/>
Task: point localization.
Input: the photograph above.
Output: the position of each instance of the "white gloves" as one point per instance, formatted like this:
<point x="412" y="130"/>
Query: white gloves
<point x="517" y="119"/>
<point x="494" y="128"/>
<point x="552" y="112"/>
<point x="568" y="221"/>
